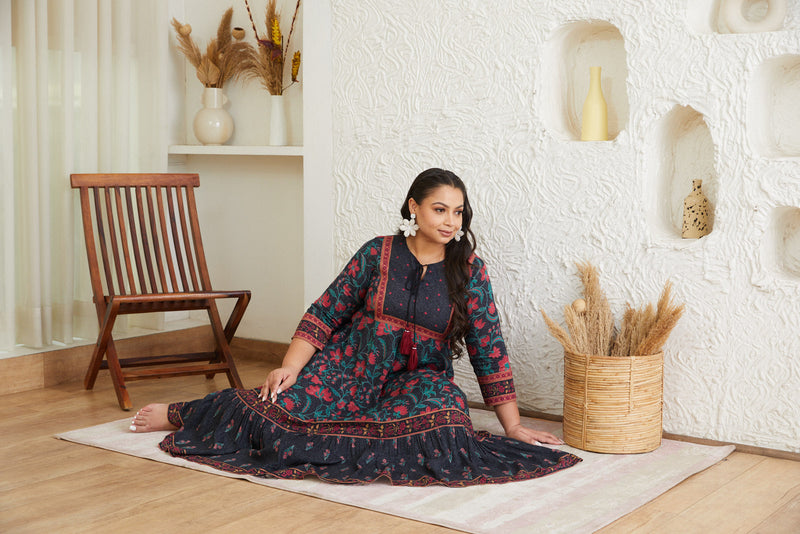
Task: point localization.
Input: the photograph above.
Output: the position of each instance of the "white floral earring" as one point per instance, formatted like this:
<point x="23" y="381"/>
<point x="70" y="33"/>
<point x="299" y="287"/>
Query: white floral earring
<point x="409" y="227"/>
<point x="459" y="234"/>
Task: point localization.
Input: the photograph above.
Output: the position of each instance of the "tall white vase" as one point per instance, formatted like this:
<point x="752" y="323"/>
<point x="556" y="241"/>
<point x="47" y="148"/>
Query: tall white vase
<point x="277" y="121"/>
<point x="213" y="125"/>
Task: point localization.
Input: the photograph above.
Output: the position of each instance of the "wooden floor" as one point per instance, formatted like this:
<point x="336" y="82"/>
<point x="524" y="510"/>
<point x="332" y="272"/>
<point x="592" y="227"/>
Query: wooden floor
<point x="48" y="485"/>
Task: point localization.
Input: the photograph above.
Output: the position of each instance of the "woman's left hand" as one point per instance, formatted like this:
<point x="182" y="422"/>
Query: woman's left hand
<point x="532" y="436"/>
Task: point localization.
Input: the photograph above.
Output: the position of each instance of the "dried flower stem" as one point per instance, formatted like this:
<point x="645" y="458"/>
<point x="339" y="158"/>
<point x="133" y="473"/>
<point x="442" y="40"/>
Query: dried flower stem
<point x="576" y="322"/>
<point x="267" y="62"/>
<point x="560" y="334"/>
<point x="252" y="22"/>
<point x="291" y="28"/>
<point x="599" y="319"/>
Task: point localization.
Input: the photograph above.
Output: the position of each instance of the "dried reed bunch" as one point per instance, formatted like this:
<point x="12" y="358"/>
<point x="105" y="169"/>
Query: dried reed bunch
<point x="266" y="62"/>
<point x="224" y="57"/>
<point x="666" y="317"/>
<point x="591" y="324"/>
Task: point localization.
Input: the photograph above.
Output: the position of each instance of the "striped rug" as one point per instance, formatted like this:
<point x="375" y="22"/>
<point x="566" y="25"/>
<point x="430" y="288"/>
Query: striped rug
<point x="583" y="498"/>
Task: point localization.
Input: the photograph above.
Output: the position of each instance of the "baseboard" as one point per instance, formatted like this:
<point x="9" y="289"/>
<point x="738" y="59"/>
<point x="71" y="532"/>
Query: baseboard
<point x="46" y="369"/>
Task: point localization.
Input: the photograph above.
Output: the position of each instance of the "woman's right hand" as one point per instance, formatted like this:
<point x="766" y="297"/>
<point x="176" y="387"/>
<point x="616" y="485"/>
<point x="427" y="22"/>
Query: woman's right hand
<point x="277" y="381"/>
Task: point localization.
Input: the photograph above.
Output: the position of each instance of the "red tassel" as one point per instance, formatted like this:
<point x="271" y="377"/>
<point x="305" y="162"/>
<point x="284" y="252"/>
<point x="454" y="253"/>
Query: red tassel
<point x="412" y="358"/>
<point x="405" y="343"/>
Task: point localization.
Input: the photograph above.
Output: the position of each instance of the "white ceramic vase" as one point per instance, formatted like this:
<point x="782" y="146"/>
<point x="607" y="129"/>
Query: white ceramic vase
<point x="213" y="125"/>
<point x="277" y="121"/>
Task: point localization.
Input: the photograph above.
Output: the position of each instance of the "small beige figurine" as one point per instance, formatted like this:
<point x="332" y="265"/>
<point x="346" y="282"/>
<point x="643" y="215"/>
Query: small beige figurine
<point x="696" y="213"/>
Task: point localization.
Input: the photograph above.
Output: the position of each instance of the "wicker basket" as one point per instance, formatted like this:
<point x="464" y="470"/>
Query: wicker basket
<point x="613" y="404"/>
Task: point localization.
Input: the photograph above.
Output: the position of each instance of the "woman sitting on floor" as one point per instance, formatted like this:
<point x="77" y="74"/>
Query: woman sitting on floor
<point x="366" y="388"/>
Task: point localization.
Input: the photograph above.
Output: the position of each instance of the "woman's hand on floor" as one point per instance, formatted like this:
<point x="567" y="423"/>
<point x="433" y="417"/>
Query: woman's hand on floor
<point x="532" y="436"/>
<point x="277" y="382"/>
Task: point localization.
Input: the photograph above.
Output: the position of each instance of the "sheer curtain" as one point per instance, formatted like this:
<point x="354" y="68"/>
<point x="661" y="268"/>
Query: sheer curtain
<point x="82" y="89"/>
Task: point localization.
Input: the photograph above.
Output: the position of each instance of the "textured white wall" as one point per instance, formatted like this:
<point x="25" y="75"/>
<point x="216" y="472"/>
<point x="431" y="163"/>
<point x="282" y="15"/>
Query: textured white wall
<point x="474" y="86"/>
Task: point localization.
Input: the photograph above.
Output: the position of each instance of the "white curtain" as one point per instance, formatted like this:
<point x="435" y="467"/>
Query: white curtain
<point x="82" y="89"/>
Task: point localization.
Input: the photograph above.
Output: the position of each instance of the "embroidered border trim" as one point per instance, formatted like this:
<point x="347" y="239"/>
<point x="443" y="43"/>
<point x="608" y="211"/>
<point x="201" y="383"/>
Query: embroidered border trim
<point x="497" y="388"/>
<point x="313" y="330"/>
<point x="174" y="414"/>
<point x="386" y="255"/>
<point x="396" y="428"/>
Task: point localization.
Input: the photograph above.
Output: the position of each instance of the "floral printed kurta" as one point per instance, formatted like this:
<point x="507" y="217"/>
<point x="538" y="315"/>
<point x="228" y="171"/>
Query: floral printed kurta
<point x="357" y="412"/>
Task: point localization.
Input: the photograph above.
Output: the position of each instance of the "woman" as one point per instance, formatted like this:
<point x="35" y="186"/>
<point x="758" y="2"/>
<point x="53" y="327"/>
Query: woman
<point x="365" y="389"/>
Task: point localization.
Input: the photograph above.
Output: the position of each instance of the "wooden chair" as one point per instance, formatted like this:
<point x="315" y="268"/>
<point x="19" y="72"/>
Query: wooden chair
<point x="145" y="255"/>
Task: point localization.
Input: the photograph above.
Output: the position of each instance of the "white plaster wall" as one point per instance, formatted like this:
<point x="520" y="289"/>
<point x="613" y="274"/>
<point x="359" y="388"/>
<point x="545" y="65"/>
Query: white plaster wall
<point x="465" y="85"/>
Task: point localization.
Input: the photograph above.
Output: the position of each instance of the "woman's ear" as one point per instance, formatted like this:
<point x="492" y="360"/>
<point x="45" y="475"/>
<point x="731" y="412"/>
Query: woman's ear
<point x="412" y="205"/>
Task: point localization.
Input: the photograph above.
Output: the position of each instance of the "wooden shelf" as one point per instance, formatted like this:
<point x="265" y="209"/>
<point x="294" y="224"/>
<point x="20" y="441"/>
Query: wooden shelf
<point x="233" y="150"/>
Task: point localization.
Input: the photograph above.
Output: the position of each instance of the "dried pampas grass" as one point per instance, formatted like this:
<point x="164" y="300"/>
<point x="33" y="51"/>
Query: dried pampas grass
<point x="224" y="58"/>
<point x="667" y="315"/>
<point x="560" y="334"/>
<point x="599" y="319"/>
<point x="591" y="324"/>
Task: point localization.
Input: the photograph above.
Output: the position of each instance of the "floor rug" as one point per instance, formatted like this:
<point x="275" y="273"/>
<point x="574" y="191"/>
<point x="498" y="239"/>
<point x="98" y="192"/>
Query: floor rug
<point x="583" y="498"/>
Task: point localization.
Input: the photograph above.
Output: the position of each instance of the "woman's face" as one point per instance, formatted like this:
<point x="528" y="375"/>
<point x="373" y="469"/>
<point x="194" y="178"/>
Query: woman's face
<point x="439" y="214"/>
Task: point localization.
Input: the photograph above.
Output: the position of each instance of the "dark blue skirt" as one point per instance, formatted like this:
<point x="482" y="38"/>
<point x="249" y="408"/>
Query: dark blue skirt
<point x="234" y="431"/>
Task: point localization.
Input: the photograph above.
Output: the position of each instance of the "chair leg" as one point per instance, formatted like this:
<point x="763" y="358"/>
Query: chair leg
<point x="105" y="347"/>
<point x="117" y="378"/>
<point x="223" y="349"/>
<point x="106" y="317"/>
<point x="94" y="367"/>
<point x="236" y="316"/>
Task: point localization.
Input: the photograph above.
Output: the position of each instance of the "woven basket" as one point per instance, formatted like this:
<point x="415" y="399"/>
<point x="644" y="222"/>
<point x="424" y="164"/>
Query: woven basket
<point x="613" y="404"/>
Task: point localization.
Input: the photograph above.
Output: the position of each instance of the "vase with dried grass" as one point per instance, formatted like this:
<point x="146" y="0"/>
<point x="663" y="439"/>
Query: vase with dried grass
<point x="613" y="379"/>
<point x="223" y="60"/>
<point x="267" y="63"/>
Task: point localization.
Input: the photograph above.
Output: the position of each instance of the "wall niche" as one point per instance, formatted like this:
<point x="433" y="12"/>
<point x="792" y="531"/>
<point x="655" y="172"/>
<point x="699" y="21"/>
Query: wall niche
<point x="782" y="241"/>
<point x="569" y="53"/>
<point x="683" y="151"/>
<point x="736" y="16"/>
<point x="773" y="112"/>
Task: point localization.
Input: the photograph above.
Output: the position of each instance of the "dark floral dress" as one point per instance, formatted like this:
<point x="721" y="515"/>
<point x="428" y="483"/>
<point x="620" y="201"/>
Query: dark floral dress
<point x="357" y="412"/>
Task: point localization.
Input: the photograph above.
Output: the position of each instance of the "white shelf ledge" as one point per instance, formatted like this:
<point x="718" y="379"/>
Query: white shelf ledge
<point x="233" y="150"/>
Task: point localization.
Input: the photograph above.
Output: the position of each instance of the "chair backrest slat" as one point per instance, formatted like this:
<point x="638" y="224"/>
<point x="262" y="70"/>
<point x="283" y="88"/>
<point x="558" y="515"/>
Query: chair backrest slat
<point x="89" y="237"/>
<point x="112" y="234"/>
<point x="187" y="242"/>
<point x="136" y="250"/>
<point x="165" y="239"/>
<point x="176" y="240"/>
<point x="154" y="233"/>
<point x="101" y="240"/>
<point x="146" y="251"/>
<point x="200" y="254"/>
<point x="137" y="245"/>
<point x="124" y="246"/>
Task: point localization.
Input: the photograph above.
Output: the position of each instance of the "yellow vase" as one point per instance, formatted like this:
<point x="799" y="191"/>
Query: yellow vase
<point x="594" y="121"/>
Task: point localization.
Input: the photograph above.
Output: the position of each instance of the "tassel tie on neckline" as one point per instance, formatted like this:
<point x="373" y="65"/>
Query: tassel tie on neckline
<point x="408" y="342"/>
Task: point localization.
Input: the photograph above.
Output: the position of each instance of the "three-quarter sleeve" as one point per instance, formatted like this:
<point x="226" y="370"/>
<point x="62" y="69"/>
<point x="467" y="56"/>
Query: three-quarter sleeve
<point x="342" y="299"/>
<point x="485" y="344"/>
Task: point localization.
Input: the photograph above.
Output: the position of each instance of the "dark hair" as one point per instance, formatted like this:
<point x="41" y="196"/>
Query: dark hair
<point x="456" y="255"/>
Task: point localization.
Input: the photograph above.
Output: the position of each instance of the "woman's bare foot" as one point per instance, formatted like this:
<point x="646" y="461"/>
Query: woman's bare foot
<point x="151" y="418"/>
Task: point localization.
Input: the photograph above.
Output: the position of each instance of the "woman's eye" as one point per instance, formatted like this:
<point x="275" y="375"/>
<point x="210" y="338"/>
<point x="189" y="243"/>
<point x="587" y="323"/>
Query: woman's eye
<point x="439" y="210"/>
